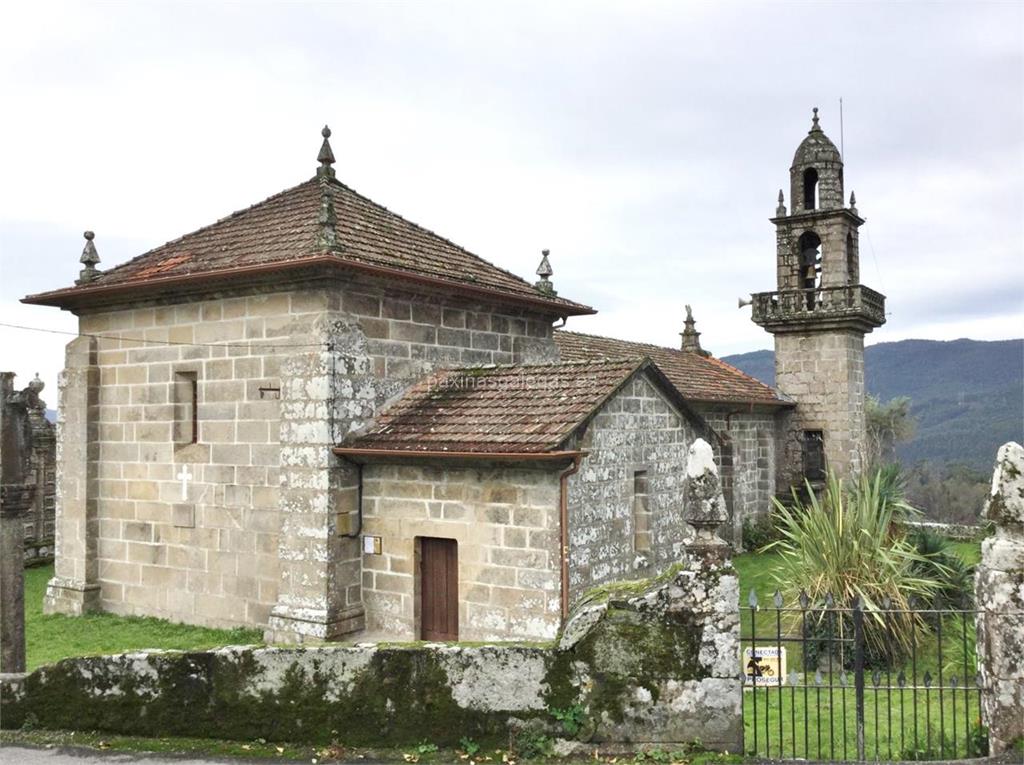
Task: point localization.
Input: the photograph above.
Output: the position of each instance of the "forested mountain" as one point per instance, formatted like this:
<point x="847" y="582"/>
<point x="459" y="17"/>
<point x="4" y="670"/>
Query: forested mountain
<point x="967" y="395"/>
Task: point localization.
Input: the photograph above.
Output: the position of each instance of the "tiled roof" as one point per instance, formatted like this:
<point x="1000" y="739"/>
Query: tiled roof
<point x="497" y="409"/>
<point x="698" y="378"/>
<point x="284" y="228"/>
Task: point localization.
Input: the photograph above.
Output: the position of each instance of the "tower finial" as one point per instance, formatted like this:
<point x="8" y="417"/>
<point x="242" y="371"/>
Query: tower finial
<point x="544" y="271"/>
<point x="781" y="209"/>
<point x="89" y="258"/>
<point x="814" y="119"/>
<point x="853" y="202"/>
<point x="326" y="156"/>
<point x="690" y="335"/>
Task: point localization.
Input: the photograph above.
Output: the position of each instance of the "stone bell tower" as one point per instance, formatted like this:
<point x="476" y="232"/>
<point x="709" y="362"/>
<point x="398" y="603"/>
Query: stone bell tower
<point x="819" y="316"/>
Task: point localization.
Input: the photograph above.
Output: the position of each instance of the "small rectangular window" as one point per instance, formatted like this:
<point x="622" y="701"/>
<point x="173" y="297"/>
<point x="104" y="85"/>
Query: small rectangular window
<point x="814" y="455"/>
<point x="641" y="513"/>
<point x="186" y="408"/>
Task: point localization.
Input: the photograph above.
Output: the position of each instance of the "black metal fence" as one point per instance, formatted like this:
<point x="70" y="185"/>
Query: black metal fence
<point x="842" y="682"/>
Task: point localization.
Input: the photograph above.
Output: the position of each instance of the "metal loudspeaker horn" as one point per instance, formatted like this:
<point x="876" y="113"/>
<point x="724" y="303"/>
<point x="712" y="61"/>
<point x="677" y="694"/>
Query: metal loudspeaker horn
<point x="743" y="302"/>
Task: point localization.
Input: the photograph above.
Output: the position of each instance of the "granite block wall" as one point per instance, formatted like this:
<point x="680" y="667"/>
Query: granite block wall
<point x="637" y="431"/>
<point x="505" y="521"/>
<point x="751" y="437"/>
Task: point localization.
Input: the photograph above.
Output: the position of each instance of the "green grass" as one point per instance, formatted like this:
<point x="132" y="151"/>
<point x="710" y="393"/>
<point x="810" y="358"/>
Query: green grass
<point x="970" y="552"/>
<point x="924" y="728"/>
<point x="49" y="638"/>
<point x="756" y="572"/>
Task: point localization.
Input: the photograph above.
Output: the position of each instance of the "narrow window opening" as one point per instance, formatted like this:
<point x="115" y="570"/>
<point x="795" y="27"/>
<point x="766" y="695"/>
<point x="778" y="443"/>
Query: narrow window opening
<point x="851" y="261"/>
<point x="810" y="189"/>
<point x="809" y="246"/>
<point x="195" y="410"/>
<point x="814" y="465"/>
<point x="186" y="408"/>
<point x="726" y="471"/>
<point x="641" y="513"/>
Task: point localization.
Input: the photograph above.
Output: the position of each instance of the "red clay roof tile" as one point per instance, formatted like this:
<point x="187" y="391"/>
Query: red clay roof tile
<point x="283" y="230"/>
<point x="497" y="409"/>
<point x="698" y="378"/>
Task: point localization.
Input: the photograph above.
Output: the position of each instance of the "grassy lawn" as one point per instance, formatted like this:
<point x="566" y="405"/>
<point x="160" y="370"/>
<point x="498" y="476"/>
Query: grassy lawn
<point x="53" y="637"/>
<point x="918" y="722"/>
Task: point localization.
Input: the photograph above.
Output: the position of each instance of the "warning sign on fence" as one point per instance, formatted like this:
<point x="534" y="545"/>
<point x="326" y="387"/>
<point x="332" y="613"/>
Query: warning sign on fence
<point x="764" y="666"/>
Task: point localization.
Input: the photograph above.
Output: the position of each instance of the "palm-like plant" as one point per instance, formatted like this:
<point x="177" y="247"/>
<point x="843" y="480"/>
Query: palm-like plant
<point x="847" y="543"/>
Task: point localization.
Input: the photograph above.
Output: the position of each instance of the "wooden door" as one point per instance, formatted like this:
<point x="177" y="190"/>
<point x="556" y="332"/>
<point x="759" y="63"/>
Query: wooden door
<point x="439" y="589"/>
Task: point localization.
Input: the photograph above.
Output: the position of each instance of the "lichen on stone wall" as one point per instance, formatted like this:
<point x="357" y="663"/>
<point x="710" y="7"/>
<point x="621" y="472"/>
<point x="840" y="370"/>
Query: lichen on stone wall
<point x="648" y="662"/>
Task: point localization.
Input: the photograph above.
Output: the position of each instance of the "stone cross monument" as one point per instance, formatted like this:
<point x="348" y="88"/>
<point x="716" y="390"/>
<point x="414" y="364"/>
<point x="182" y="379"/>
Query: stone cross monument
<point x="819" y="316"/>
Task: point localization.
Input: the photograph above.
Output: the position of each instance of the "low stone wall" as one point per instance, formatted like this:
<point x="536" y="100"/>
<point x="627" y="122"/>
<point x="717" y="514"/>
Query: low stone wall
<point x="966" y="532"/>
<point x="649" y="662"/>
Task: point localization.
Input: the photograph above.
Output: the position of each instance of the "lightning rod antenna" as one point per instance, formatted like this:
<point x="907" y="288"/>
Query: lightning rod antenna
<point x="842" y="143"/>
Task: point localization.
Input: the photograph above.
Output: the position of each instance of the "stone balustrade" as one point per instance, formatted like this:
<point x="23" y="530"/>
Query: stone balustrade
<point x="855" y="303"/>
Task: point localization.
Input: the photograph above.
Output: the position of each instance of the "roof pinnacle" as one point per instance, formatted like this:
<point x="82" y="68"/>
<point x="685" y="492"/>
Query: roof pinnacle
<point x="326" y="156"/>
<point x="814" y="120"/>
<point x="89" y="258"/>
<point x="853" y="202"/>
<point x="544" y="271"/>
<point x="690" y="335"/>
<point x="781" y="209"/>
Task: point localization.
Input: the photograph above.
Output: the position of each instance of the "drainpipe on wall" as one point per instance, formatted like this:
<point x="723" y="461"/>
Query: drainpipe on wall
<point x="563" y="542"/>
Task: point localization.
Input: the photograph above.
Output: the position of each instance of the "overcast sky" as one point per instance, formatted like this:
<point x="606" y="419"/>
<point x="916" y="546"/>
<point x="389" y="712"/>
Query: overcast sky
<point x="643" y="143"/>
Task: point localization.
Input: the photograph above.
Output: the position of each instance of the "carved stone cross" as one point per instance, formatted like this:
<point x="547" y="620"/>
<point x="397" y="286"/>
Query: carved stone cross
<point x="184" y="476"/>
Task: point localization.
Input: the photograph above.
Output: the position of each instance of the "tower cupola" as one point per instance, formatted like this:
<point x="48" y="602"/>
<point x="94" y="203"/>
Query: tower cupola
<point x="816" y="176"/>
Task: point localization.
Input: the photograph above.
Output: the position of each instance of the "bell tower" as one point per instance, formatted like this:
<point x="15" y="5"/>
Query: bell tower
<point x="819" y="315"/>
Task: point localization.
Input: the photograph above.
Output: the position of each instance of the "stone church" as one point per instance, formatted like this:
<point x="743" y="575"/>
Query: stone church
<point x="319" y="418"/>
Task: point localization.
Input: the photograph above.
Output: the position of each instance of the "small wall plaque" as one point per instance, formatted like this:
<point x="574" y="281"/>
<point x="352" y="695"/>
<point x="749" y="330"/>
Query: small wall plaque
<point x="372" y="545"/>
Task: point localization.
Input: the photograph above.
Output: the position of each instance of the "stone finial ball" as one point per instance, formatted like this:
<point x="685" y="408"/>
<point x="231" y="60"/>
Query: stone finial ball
<point x="326" y="132"/>
<point x="36" y="384"/>
<point x="89" y="235"/>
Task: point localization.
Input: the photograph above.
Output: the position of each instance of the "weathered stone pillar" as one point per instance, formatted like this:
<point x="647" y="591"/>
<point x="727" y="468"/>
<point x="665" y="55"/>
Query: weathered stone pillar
<point x="320" y="595"/>
<point x="999" y="593"/>
<point x="16" y="495"/>
<point x="15" y="500"/>
<point x="74" y="589"/>
<point x="39" y="542"/>
<point x="705" y="503"/>
<point x="708" y="564"/>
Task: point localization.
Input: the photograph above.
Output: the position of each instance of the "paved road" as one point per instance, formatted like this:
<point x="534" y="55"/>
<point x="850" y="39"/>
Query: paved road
<point x="23" y="755"/>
